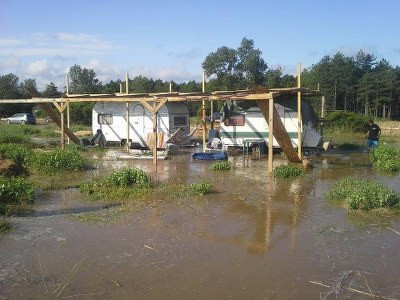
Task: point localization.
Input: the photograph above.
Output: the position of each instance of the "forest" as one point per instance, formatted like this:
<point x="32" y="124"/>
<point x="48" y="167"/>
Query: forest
<point x="359" y="83"/>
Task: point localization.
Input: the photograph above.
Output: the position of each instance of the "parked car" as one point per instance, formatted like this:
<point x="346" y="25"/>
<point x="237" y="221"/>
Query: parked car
<point x="22" y="118"/>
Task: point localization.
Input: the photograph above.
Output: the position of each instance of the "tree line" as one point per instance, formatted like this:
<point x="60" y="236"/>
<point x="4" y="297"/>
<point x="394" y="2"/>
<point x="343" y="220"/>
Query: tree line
<point x="358" y="83"/>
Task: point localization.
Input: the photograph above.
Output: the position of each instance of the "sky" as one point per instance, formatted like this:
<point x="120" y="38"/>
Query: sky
<point x="169" y="40"/>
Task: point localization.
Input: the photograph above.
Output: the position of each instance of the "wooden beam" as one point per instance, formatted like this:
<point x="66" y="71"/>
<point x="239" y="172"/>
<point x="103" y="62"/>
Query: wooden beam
<point x="271" y="136"/>
<point x="280" y="133"/>
<point x="299" y="117"/>
<point x="146" y="104"/>
<point x="155" y="136"/>
<point x="162" y="102"/>
<point x="203" y="109"/>
<point x="68" y="122"/>
<point x="127" y="114"/>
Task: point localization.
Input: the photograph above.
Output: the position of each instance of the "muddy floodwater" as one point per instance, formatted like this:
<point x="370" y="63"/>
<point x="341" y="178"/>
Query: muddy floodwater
<point x="254" y="238"/>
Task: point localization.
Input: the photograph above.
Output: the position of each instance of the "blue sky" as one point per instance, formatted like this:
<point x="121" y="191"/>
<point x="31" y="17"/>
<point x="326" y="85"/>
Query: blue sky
<point x="170" y="39"/>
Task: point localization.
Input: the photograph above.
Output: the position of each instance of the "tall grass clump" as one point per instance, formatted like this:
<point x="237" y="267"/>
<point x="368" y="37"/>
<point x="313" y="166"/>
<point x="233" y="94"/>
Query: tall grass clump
<point x="221" y="166"/>
<point x="16" y="191"/>
<point x="288" y="171"/>
<point x="201" y="188"/>
<point x="5" y="226"/>
<point x="120" y="185"/>
<point x="386" y="158"/>
<point x="59" y="160"/>
<point x="363" y="194"/>
<point x="346" y="121"/>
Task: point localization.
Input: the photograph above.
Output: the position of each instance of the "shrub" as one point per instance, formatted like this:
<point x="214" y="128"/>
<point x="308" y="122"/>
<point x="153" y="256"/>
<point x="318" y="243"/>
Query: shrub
<point x="363" y="194"/>
<point x="221" y="166"/>
<point x="16" y="191"/>
<point x="347" y="121"/>
<point x="386" y="158"/>
<point x="128" y="177"/>
<point x="59" y="160"/>
<point x="201" y="188"/>
<point x="288" y="171"/>
<point x="6" y="137"/>
<point x="18" y="154"/>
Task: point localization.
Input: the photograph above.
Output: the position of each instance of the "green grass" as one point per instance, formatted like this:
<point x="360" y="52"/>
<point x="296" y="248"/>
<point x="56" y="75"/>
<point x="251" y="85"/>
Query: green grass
<point x="288" y="171"/>
<point x="15" y="192"/>
<point x="55" y="161"/>
<point x="363" y="194"/>
<point x="221" y="166"/>
<point x="201" y="188"/>
<point x="349" y="147"/>
<point x="386" y="158"/>
<point x="5" y="226"/>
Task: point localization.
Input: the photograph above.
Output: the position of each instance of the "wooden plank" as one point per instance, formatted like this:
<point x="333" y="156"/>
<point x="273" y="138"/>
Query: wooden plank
<point x="299" y="117"/>
<point x="50" y="112"/>
<point x="270" y="136"/>
<point x="279" y="131"/>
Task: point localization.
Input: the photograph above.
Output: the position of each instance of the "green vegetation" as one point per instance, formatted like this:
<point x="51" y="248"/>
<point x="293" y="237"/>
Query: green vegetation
<point x="20" y="155"/>
<point x="221" y="166"/>
<point x="349" y="147"/>
<point x="55" y="161"/>
<point x="201" y="188"/>
<point x="16" y="191"/>
<point x="363" y="194"/>
<point x="120" y="185"/>
<point x="386" y="158"/>
<point x="288" y="171"/>
<point x="5" y="226"/>
<point x="346" y="121"/>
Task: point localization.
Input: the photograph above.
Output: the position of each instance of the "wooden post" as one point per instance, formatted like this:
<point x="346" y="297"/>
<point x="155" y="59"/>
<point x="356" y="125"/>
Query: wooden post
<point x="68" y="122"/>
<point x="68" y="119"/>
<point x="271" y="136"/>
<point x="154" y="134"/>
<point x="127" y="114"/>
<point x="62" y="130"/>
<point x="299" y="121"/>
<point x="212" y="114"/>
<point x="120" y="88"/>
<point x="323" y="107"/>
<point x="170" y="87"/>
<point x="203" y="109"/>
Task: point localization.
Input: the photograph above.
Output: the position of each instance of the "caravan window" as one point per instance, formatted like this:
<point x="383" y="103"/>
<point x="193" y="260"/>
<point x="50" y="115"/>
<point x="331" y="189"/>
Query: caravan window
<point x="235" y="121"/>
<point x="179" y="121"/>
<point x="105" y="119"/>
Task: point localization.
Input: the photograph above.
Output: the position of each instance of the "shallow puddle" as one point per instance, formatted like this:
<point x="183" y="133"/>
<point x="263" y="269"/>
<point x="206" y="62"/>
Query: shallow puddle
<point x="254" y="238"/>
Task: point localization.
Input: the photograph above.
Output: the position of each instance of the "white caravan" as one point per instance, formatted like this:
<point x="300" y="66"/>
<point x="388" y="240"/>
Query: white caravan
<point x="250" y="126"/>
<point x="110" y="117"/>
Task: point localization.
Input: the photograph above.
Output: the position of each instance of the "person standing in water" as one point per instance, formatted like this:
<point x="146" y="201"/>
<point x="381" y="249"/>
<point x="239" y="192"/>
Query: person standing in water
<point x="373" y="134"/>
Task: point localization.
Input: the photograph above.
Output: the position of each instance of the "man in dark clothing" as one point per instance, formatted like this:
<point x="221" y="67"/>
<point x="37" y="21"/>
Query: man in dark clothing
<point x="374" y="132"/>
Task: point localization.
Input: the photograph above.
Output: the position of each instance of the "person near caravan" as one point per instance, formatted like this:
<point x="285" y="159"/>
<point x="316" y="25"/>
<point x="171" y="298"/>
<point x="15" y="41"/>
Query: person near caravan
<point x="373" y="134"/>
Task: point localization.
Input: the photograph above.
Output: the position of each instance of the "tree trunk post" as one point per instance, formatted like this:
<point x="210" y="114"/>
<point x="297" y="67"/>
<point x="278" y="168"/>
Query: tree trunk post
<point x="299" y="117"/>
<point x="271" y="136"/>
<point x="127" y="114"/>
<point x="203" y="109"/>
<point x="155" y="135"/>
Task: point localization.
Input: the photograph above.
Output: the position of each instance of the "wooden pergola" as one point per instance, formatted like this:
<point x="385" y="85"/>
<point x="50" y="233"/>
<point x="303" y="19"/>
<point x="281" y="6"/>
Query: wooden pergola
<point x="154" y="101"/>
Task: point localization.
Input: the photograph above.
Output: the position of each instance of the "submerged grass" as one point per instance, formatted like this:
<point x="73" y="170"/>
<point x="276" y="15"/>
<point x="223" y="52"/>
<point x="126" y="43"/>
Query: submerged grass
<point x="349" y="147"/>
<point x="363" y="194"/>
<point x="288" y="171"/>
<point x="221" y="166"/>
<point x="386" y="158"/>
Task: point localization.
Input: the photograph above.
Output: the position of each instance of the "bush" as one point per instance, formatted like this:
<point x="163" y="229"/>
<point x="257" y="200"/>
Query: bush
<point x="346" y="121"/>
<point x="201" y="188"/>
<point x="18" y="154"/>
<point x="59" y="160"/>
<point x="16" y="191"/>
<point x="288" y="171"/>
<point x="386" y="158"/>
<point x="221" y="166"/>
<point x="128" y="177"/>
<point x="363" y="194"/>
<point x="6" y="137"/>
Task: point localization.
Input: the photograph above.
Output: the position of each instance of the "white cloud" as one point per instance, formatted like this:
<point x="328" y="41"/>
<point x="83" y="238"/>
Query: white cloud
<point x="11" y="42"/>
<point x="37" y="67"/>
<point x="9" y="62"/>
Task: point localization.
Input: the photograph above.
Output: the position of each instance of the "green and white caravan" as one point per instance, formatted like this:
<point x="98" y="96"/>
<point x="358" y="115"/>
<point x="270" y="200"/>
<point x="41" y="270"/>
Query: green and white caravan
<point x="249" y="125"/>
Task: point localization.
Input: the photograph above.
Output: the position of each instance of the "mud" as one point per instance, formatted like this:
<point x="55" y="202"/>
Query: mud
<point x="254" y="238"/>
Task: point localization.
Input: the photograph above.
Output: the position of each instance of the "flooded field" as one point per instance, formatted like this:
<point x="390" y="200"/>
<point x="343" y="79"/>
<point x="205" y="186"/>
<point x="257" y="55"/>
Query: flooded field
<point x="253" y="238"/>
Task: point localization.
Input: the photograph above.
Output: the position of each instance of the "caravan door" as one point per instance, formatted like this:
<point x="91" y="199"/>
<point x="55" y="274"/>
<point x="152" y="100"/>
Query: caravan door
<point x="137" y="125"/>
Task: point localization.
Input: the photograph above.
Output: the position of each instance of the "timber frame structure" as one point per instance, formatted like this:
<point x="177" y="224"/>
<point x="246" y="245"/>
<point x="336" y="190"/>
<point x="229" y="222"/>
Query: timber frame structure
<point x="154" y="101"/>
